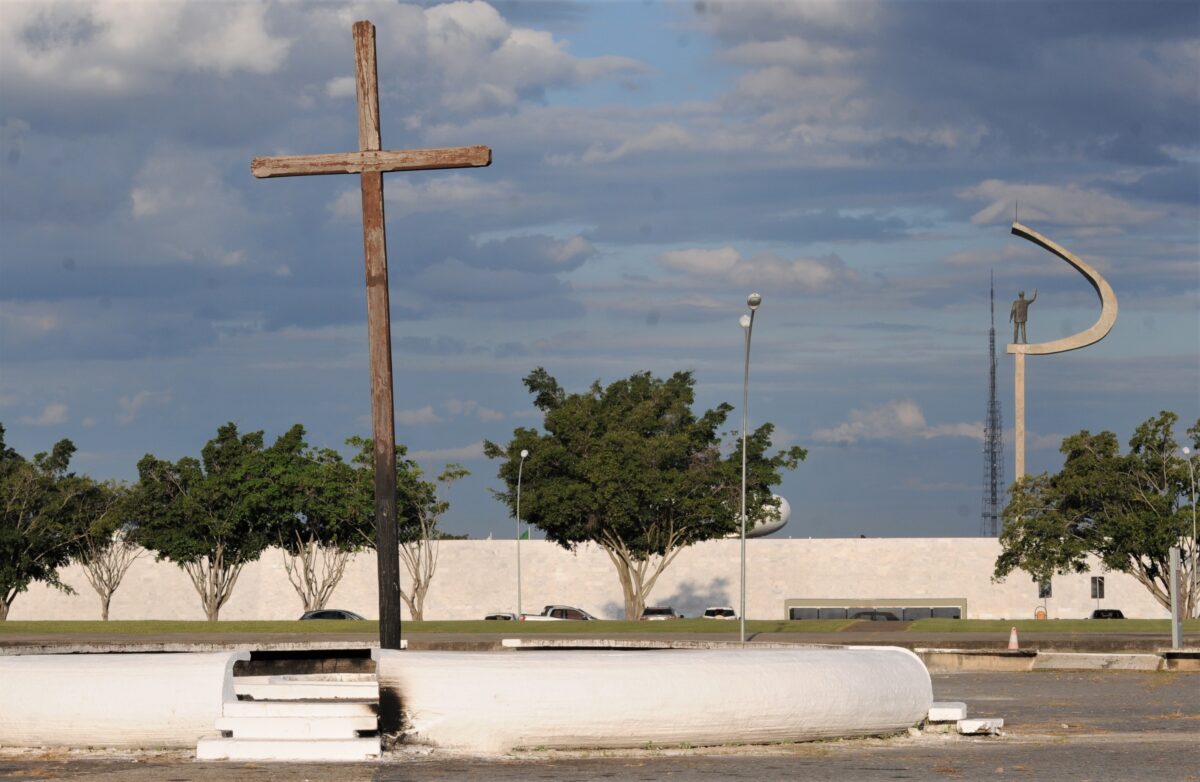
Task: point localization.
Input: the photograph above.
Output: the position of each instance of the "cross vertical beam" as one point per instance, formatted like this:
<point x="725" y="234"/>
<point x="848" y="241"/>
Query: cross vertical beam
<point x="370" y="162"/>
<point x="379" y="330"/>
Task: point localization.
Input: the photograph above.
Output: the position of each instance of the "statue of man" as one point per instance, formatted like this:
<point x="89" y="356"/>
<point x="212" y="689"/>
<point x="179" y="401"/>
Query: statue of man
<point x="1019" y="314"/>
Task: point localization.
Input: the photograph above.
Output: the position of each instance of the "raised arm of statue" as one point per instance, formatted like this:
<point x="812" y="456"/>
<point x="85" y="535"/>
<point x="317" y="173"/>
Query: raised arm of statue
<point x="1034" y="297"/>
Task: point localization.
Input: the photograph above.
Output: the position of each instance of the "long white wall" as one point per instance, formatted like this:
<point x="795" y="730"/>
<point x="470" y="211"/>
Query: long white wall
<point x="475" y="577"/>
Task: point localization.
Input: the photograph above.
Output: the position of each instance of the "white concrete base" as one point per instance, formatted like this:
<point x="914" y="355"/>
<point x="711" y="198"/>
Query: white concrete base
<point x="113" y="700"/>
<point x="947" y="711"/>
<point x="488" y="702"/>
<point x="1070" y="661"/>
<point x="212" y="748"/>
<point x="985" y="726"/>
<point x="338" y="708"/>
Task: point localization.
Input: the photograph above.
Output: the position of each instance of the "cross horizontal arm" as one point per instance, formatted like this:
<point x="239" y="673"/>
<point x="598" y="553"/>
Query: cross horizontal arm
<point x="384" y="160"/>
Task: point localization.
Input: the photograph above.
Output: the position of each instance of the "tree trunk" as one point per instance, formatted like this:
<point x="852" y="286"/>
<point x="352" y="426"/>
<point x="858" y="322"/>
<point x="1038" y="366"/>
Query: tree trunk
<point x="104" y="601"/>
<point x="4" y="604"/>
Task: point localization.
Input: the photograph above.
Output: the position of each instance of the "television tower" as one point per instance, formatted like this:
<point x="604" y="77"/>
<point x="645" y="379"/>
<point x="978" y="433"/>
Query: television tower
<point x="993" y="441"/>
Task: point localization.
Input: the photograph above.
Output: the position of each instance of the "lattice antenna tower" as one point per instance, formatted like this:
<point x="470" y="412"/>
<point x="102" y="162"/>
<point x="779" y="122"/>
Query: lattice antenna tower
<point x="993" y="440"/>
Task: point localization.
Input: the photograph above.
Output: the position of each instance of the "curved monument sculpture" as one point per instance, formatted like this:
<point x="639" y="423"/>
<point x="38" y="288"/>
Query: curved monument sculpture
<point x="1089" y="336"/>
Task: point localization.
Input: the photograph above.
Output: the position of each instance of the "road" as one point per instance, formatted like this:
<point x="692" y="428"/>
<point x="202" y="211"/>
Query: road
<point x="1111" y="725"/>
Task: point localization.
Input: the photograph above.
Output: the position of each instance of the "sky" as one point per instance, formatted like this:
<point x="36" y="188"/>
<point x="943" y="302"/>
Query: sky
<point x="856" y="163"/>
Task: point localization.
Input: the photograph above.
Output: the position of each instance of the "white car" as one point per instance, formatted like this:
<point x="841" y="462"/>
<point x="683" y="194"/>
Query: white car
<point x="720" y="612"/>
<point x="557" y="613"/>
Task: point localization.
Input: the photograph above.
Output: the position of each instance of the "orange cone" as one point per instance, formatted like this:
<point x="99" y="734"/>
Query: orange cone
<point x="1012" y="640"/>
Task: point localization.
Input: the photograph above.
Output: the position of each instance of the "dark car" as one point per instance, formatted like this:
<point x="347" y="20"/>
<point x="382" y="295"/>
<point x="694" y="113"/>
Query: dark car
<point x="331" y="613"/>
<point x="1107" y="613"/>
<point x="876" y="616"/>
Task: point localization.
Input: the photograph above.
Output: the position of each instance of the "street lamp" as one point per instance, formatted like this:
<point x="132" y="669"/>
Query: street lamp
<point x="747" y="321"/>
<point x="520" y="469"/>
<point x="1187" y="457"/>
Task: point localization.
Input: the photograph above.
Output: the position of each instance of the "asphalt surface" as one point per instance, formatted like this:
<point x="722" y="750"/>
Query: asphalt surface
<point x="1111" y="725"/>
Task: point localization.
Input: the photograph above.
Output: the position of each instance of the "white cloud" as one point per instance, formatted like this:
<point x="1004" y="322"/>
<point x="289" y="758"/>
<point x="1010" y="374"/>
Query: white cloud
<point x="895" y="420"/>
<point x="762" y="270"/>
<point x="464" y="407"/>
<point x="132" y="406"/>
<point x="418" y="417"/>
<point x="434" y="195"/>
<point x="28" y="319"/>
<point x="1069" y="205"/>
<point x="130" y="47"/>
<point x="463" y="453"/>
<point x="52" y="414"/>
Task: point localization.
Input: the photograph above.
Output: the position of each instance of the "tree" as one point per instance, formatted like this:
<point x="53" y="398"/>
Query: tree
<point x="108" y="549"/>
<point x="419" y="508"/>
<point x="42" y="523"/>
<point x="328" y="518"/>
<point x="632" y="469"/>
<point x="1126" y="510"/>
<point x="210" y="516"/>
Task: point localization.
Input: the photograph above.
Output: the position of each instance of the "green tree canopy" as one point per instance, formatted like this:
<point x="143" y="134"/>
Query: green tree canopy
<point x="419" y="508"/>
<point x="45" y="517"/>
<point x="1127" y="510"/>
<point x="632" y="469"/>
<point x="325" y="516"/>
<point x="212" y="515"/>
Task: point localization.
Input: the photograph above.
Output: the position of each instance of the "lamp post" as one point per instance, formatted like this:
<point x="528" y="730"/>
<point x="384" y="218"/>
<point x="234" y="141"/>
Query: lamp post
<point x="747" y="321"/>
<point x="1187" y="457"/>
<point x="520" y="469"/>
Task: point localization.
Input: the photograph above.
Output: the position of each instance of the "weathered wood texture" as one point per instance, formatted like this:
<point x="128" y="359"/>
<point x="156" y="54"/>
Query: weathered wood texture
<point x="369" y="160"/>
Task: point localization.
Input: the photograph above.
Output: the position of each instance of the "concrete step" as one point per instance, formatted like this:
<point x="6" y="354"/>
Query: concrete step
<point x="292" y="688"/>
<point x="947" y="711"/>
<point x="312" y="708"/>
<point x="986" y="726"/>
<point x="299" y="727"/>
<point x="217" y="748"/>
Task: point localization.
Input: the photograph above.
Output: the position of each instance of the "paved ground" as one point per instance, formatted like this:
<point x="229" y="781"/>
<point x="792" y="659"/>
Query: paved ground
<point x="1112" y="725"/>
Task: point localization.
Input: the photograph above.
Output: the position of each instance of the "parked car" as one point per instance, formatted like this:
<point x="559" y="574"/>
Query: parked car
<point x="720" y="612"/>
<point x="1107" y="613"/>
<point x="331" y="613"/>
<point x="658" y="613"/>
<point x="875" y="616"/>
<point x="554" y="613"/>
<point x="502" y="615"/>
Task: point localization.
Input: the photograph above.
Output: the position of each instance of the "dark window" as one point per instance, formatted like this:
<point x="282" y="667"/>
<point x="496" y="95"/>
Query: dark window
<point x="831" y="613"/>
<point x="1097" y="587"/>
<point x="947" y="613"/>
<point x="574" y="614"/>
<point x="910" y="614"/>
<point x="1044" y="590"/>
<point x="804" y="613"/>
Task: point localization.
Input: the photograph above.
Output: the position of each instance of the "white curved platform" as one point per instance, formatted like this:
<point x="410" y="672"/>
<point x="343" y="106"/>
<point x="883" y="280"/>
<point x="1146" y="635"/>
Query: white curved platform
<point x="113" y="700"/>
<point x="489" y="702"/>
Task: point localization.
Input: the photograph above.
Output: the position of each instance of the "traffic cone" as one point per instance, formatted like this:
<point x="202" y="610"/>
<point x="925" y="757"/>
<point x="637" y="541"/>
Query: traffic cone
<point x="1012" y="641"/>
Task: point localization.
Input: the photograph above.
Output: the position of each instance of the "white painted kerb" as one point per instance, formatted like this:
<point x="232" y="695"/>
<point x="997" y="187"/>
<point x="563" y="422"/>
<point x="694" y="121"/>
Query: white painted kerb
<point x="488" y="702"/>
<point x="113" y="700"/>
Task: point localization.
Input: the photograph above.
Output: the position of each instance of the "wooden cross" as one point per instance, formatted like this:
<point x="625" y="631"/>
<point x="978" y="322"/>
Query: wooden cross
<point x="369" y="162"/>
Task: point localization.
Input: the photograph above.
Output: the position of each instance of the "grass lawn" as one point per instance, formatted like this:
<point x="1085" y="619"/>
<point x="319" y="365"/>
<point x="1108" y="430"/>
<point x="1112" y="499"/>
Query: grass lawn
<point x="1106" y="626"/>
<point x="603" y="627"/>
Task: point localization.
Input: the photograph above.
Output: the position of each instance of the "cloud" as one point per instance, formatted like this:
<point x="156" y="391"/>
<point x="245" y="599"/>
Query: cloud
<point x="1067" y="205"/>
<point x="464" y="407"/>
<point x="406" y="197"/>
<point x="895" y="420"/>
<point x="52" y="414"/>
<point x="123" y="48"/>
<point x="131" y="406"/>
<point x="419" y="417"/>
<point x="762" y="270"/>
<point x="463" y="453"/>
